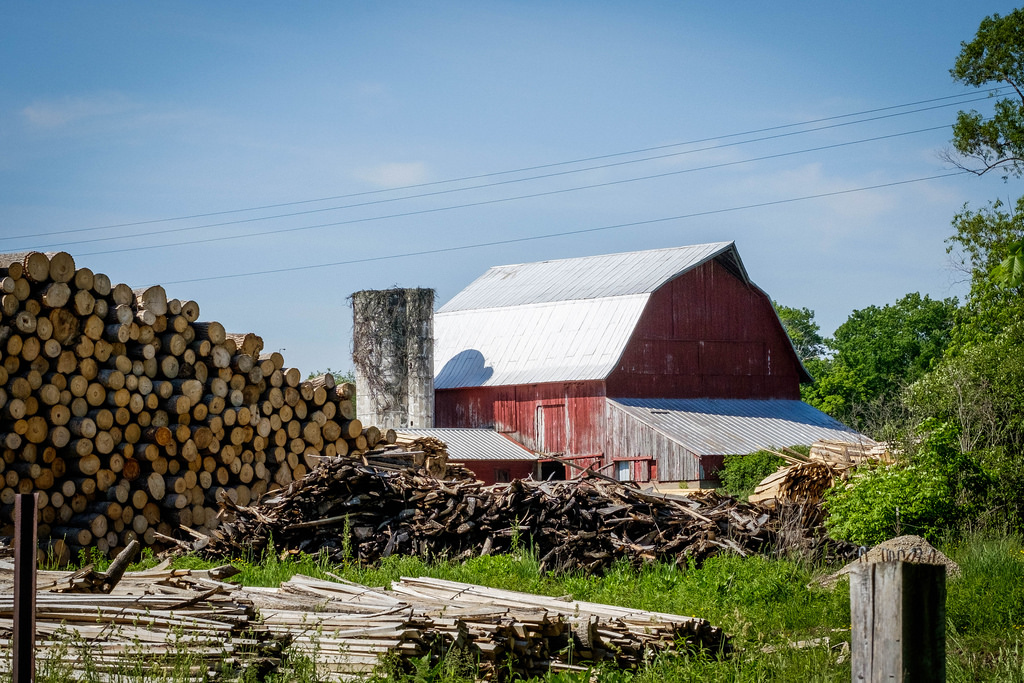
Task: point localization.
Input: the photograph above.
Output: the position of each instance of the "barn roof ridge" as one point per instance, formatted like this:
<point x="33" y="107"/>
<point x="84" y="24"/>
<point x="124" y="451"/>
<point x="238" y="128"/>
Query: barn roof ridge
<point x="615" y="253"/>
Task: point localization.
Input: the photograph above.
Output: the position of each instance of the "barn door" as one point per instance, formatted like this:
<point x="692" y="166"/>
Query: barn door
<point x="554" y="428"/>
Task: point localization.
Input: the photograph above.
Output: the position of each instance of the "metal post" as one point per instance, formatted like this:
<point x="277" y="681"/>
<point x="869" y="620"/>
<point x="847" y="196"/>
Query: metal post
<point x="898" y="622"/>
<point x="25" y="513"/>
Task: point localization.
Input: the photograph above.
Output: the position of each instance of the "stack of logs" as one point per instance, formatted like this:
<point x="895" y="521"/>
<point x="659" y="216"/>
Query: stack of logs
<point x="131" y="418"/>
<point x="365" y="512"/>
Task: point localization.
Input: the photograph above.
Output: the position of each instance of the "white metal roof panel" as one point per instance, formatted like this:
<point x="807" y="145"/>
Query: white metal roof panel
<point x="737" y="426"/>
<point x="547" y="342"/>
<point x="591" y="277"/>
<point x="475" y="444"/>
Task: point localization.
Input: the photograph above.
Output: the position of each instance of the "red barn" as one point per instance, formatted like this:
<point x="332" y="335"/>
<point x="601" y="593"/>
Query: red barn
<point x="652" y="365"/>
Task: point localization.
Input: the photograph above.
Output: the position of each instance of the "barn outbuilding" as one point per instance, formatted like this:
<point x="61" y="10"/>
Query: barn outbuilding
<point x="648" y="365"/>
<point x="491" y="456"/>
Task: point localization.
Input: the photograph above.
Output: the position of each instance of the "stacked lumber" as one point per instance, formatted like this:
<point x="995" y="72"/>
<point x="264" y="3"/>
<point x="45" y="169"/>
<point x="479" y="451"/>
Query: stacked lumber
<point x="146" y="623"/>
<point x="805" y="479"/>
<point x="599" y="633"/>
<point x="854" y="453"/>
<point x="160" y="619"/>
<point x="131" y="418"/>
<point x="365" y="512"/>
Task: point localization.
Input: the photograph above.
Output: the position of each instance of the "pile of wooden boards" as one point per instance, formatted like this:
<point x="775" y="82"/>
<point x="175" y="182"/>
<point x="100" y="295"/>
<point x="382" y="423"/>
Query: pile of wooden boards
<point x="200" y="627"/>
<point x="364" y="512"/>
<point x="131" y="418"/>
<point x="805" y="478"/>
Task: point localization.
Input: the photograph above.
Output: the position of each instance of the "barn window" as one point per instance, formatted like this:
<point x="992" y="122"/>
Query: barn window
<point x="501" y="476"/>
<point x="623" y="470"/>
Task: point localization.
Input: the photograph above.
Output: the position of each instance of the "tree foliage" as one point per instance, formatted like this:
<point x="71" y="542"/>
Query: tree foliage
<point x="984" y="240"/>
<point x="741" y="474"/>
<point x="980" y="390"/>
<point x="993" y="58"/>
<point x="877" y="351"/>
<point x="803" y="331"/>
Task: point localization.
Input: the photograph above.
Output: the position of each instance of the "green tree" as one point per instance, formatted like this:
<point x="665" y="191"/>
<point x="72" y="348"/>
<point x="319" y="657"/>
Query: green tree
<point x="994" y="58"/>
<point x="979" y="392"/>
<point x="877" y="351"/>
<point x="984" y="240"/>
<point x="803" y="331"/>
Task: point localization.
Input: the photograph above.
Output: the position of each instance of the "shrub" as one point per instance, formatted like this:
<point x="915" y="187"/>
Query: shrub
<point x="742" y="473"/>
<point x="936" y="490"/>
<point x="880" y="502"/>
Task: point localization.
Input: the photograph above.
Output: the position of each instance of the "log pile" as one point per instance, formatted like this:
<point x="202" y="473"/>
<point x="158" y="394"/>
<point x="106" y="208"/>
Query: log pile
<point x="353" y="511"/>
<point x="199" y="627"/>
<point x="432" y="453"/>
<point x="132" y="418"/>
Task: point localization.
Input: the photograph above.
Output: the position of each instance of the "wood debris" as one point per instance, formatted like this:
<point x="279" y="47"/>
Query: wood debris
<point x="363" y="512"/>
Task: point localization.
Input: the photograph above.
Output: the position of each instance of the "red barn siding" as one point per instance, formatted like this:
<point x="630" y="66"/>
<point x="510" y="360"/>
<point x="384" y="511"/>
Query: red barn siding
<point x="572" y="414"/>
<point x="707" y="334"/>
<point x="490" y="471"/>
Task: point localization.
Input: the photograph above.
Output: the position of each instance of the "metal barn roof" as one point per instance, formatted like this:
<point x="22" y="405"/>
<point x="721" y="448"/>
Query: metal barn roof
<point x="736" y="426"/>
<point x="549" y="342"/>
<point x="475" y="444"/>
<point x="589" y="277"/>
<point x="554" y="321"/>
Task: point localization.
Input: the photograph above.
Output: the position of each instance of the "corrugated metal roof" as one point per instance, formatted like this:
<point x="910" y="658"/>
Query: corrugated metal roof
<point x="547" y="342"/>
<point x="736" y="426"/>
<point x="475" y="444"/>
<point x="591" y="277"/>
<point x="555" y="321"/>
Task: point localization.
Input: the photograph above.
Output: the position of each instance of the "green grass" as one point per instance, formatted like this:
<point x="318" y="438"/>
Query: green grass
<point x="765" y="604"/>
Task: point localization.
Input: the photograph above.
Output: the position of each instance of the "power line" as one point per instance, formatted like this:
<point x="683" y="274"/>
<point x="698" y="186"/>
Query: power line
<point x="523" y="170"/>
<point x="568" y="233"/>
<point x="535" y="195"/>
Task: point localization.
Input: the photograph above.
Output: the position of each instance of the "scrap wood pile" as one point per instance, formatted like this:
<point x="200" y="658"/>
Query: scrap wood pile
<point x="174" y="619"/>
<point x="354" y="511"/>
<point x="805" y="478"/>
<point x="132" y="418"/>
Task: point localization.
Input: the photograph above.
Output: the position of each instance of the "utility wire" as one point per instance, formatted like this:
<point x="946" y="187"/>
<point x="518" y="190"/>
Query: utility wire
<point x="568" y="233"/>
<point x="526" y="169"/>
<point x="418" y="212"/>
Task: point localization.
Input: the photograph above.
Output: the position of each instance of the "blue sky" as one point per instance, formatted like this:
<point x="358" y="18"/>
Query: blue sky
<point x="127" y="113"/>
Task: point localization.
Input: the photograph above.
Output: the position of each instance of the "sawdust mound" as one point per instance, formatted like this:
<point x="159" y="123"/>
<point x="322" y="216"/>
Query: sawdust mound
<point x="909" y="548"/>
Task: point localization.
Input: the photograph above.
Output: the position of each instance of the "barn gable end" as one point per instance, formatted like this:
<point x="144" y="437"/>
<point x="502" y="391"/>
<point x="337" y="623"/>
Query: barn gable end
<point x="708" y="334"/>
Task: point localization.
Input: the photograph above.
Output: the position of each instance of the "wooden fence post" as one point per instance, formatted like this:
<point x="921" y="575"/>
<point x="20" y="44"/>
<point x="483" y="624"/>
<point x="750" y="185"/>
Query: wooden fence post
<point x="25" y="517"/>
<point x="898" y="622"/>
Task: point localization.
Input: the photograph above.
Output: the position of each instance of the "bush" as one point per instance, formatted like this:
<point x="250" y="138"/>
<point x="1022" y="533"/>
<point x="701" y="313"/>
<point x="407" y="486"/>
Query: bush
<point x="882" y="502"/>
<point x="938" y="489"/>
<point x="742" y="473"/>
